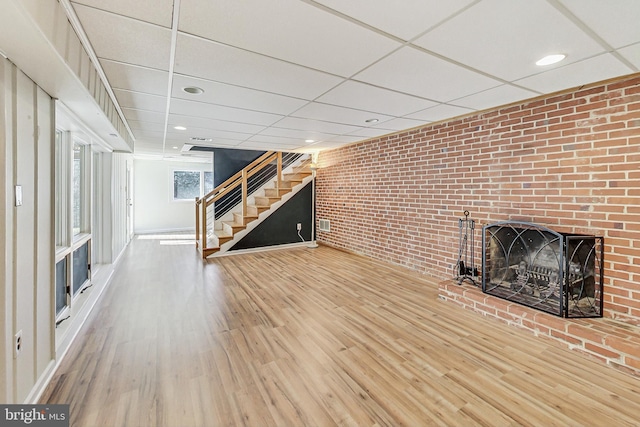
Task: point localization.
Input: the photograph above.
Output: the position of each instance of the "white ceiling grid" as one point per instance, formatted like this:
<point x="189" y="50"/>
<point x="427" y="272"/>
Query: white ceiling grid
<point x="281" y="73"/>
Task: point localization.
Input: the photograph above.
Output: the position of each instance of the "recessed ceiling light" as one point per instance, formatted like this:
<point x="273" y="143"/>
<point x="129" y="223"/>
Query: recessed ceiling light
<point x="193" y="90"/>
<point x="551" y="59"/>
<point x="180" y="128"/>
<point x="309" y="141"/>
<point x="175" y="148"/>
<point x="372" y="121"/>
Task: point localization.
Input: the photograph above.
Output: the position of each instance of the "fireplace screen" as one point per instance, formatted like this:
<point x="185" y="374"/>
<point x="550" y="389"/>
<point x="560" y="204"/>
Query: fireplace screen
<point x="535" y="266"/>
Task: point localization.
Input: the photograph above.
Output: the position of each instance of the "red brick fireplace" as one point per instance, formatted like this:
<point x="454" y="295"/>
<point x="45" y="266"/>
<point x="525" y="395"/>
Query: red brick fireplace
<point x="569" y="161"/>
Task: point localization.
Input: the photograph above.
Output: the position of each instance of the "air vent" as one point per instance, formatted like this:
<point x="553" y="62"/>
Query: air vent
<point x="324" y="225"/>
<point x="199" y="139"/>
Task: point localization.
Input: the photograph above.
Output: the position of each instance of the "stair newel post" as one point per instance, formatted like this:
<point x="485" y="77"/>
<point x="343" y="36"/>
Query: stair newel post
<point x="244" y="193"/>
<point x="279" y="173"/>
<point x="197" y="222"/>
<point x="203" y="236"/>
<point x="314" y="167"/>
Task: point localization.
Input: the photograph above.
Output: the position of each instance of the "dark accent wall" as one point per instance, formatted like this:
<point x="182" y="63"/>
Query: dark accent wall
<point x="280" y="227"/>
<point x="227" y="162"/>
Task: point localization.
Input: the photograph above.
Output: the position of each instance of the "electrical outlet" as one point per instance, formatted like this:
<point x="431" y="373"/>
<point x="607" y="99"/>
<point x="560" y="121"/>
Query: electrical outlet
<point x="299" y="226"/>
<point x="17" y="343"/>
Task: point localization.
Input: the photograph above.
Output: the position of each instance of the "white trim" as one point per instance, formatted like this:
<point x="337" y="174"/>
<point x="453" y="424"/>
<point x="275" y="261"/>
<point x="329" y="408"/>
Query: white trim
<point x="166" y="230"/>
<point x="261" y="249"/>
<point x="67" y="120"/>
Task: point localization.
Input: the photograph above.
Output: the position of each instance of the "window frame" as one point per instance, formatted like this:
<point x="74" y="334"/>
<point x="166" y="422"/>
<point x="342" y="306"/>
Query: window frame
<point x="202" y="183"/>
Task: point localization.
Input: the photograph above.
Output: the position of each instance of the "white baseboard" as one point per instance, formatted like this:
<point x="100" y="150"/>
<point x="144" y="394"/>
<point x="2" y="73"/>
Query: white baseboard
<point x="167" y="230"/>
<point x="261" y="249"/>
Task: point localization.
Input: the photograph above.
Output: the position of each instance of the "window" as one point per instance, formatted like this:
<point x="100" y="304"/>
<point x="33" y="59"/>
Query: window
<point x="79" y="189"/>
<point x="61" y="180"/>
<point x="208" y="182"/>
<point x="187" y="185"/>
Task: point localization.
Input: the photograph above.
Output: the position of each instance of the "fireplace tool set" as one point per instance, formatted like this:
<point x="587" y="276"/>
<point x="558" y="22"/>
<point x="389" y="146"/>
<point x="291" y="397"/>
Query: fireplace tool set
<point x="465" y="267"/>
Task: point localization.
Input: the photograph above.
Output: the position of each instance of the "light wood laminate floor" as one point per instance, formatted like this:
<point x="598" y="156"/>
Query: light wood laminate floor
<point x="314" y="337"/>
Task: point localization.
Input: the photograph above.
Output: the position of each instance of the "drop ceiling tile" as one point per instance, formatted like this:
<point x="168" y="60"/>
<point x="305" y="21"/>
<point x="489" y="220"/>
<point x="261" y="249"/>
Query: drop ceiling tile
<point x="159" y="12"/>
<point x="146" y="144"/>
<point x="370" y="98"/>
<point x="366" y="133"/>
<point x="148" y="135"/>
<point x="324" y="145"/>
<point x="216" y="143"/>
<point x="126" y="40"/>
<point x="332" y="113"/>
<point x="494" y="97"/>
<point x="193" y="132"/>
<point x="405" y="19"/>
<point x="134" y="78"/>
<point x="342" y="139"/>
<point x="145" y="126"/>
<point x="300" y="135"/>
<point x="143" y="116"/>
<point x="588" y="71"/>
<point x="235" y="96"/>
<point x="141" y="101"/>
<point x="483" y="39"/>
<point x="439" y="112"/>
<point x="222" y="125"/>
<point x="265" y="146"/>
<point x="632" y="54"/>
<point x="199" y="109"/>
<point x="395" y="125"/>
<point x="315" y="126"/>
<point x="294" y="142"/>
<point x="616" y="22"/>
<point x="202" y="58"/>
<point x="410" y="70"/>
<point x="315" y="38"/>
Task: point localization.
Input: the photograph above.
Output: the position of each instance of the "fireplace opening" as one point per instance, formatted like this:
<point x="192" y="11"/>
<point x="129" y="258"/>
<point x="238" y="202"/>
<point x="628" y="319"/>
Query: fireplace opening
<point x="529" y="264"/>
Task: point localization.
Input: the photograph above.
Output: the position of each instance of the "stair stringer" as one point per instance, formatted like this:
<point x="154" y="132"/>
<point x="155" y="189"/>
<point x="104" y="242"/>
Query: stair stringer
<point x="264" y="215"/>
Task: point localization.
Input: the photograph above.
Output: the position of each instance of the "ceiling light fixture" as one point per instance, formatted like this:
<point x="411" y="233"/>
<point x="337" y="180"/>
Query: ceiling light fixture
<point x="309" y="141"/>
<point x="550" y="59"/>
<point x="193" y="90"/>
<point x="175" y="148"/>
<point x="372" y="121"/>
<point x="180" y="128"/>
<point x="200" y="139"/>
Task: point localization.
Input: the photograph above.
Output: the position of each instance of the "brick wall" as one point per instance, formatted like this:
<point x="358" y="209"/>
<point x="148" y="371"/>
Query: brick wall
<point x="570" y="161"/>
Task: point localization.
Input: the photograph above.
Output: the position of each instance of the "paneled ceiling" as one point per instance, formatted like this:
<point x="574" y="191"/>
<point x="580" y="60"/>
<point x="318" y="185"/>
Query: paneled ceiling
<point x="311" y="75"/>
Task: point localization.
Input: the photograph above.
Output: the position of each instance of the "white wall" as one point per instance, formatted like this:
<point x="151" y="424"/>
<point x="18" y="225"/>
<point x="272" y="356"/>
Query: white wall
<point x="154" y="209"/>
<point x="26" y="238"/>
<point x="49" y="62"/>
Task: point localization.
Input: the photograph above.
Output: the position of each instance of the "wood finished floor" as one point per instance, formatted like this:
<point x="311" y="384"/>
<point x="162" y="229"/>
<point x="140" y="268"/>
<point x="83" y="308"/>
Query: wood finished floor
<point x="314" y="337"/>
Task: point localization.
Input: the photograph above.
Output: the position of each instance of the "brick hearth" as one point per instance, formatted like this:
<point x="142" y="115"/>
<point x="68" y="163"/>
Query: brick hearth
<point x="611" y="341"/>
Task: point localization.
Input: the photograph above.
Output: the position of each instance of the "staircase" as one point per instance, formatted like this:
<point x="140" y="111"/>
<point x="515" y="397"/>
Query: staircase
<point x="214" y="236"/>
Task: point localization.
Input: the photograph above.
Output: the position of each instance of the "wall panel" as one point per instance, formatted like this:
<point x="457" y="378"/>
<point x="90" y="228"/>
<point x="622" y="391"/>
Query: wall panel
<point x="27" y="244"/>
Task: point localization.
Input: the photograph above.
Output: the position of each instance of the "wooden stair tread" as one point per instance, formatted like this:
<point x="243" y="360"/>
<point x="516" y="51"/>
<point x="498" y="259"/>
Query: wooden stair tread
<point x="233" y="224"/>
<point x="221" y="234"/>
